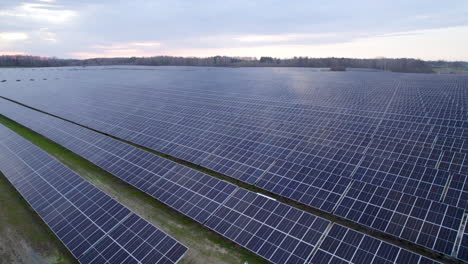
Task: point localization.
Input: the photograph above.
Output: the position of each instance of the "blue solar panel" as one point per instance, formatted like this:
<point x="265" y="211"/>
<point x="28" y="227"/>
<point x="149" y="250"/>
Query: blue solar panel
<point x="275" y="231"/>
<point x="425" y="222"/>
<point x="317" y="188"/>
<point x="86" y="220"/>
<point x="343" y="245"/>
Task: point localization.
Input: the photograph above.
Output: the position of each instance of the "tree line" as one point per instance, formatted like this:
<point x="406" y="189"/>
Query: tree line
<point x="386" y="64"/>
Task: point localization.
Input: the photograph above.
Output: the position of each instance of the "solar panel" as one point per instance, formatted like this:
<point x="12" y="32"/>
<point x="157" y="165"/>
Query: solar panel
<point x="344" y="245"/>
<point x="87" y="221"/>
<point x="403" y="177"/>
<point x="425" y="222"/>
<point x="275" y="231"/>
<point x="317" y="188"/>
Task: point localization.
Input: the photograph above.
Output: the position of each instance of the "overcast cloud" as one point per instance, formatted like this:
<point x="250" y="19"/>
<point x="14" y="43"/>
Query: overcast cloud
<point x="364" y="28"/>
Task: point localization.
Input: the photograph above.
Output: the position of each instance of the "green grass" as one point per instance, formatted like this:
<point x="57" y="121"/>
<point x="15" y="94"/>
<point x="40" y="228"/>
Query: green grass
<point x="205" y="246"/>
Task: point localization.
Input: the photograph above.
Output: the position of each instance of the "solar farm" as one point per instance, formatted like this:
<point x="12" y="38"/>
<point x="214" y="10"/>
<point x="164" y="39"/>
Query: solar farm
<point x="284" y="165"/>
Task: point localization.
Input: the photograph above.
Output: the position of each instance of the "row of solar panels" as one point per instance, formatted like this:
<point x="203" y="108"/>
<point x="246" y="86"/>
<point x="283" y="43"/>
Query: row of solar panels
<point x="395" y="198"/>
<point x="352" y="91"/>
<point x="92" y="225"/>
<point x="293" y="114"/>
<point x="250" y="156"/>
<point x="419" y="131"/>
<point x="396" y="94"/>
<point x="273" y="230"/>
<point x="225" y="146"/>
<point x="338" y="126"/>
<point x="229" y="145"/>
<point x="175" y="130"/>
<point x="363" y="91"/>
<point x="328" y="90"/>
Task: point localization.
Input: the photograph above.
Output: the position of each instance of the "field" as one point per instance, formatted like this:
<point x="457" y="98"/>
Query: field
<point x="380" y="155"/>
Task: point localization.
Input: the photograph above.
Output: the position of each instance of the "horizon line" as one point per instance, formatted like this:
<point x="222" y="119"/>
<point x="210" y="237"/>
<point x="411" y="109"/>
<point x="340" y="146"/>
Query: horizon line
<point x="246" y="58"/>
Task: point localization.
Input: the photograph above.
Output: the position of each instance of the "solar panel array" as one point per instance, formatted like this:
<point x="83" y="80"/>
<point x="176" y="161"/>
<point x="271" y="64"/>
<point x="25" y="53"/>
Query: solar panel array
<point x="317" y="138"/>
<point x="275" y="231"/>
<point x="428" y="223"/>
<point x="92" y="225"/>
<point x="190" y="192"/>
<point x="344" y="245"/>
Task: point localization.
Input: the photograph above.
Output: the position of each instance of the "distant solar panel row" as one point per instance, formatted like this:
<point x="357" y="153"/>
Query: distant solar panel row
<point x="92" y="225"/>
<point x="268" y="228"/>
<point x="203" y="97"/>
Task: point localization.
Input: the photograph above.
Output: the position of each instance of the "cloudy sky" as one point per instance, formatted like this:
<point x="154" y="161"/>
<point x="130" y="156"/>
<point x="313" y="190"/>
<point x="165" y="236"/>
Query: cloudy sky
<point x="360" y="28"/>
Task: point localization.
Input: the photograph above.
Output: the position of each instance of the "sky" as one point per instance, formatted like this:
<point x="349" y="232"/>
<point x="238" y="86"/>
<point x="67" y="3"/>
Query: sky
<point x="422" y="29"/>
